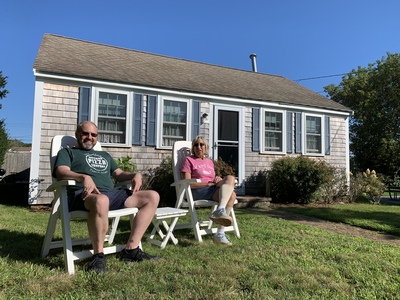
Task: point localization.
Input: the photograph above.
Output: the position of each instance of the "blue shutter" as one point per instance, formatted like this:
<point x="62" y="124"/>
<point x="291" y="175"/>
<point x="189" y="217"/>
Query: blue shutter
<point x="256" y="129"/>
<point x="195" y="118"/>
<point x="137" y="119"/>
<point x="151" y="120"/>
<point x="327" y="135"/>
<point x="289" y="132"/>
<point x="84" y="104"/>
<point x="298" y="133"/>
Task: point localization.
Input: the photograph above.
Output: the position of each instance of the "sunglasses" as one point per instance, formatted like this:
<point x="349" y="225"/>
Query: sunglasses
<point x="199" y="144"/>
<point x="85" y="133"/>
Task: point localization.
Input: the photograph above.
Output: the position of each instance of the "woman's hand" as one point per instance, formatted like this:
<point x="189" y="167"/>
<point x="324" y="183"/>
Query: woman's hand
<point x="217" y="179"/>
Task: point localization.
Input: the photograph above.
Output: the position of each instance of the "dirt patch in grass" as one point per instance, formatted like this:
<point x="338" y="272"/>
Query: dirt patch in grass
<point x="274" y="212"/>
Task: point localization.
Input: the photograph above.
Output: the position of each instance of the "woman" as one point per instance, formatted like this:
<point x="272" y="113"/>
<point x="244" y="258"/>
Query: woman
<point x="211" y="187"/>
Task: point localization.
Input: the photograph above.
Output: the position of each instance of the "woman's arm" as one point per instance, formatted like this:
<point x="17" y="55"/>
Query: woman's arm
<point x="196" y="185"/>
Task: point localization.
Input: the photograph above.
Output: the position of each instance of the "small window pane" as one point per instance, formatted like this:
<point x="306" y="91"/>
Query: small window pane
<point x="313" y="134"/>
<point x="112" y="118"/>
<point x="174" y="122"/>
<point x="273" y="131"/>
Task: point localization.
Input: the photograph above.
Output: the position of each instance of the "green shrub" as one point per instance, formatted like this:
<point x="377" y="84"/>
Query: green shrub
<point x="163" y="177"/>
<point x="296" y="180"/>
<point x="366" y="187"/>
<point x="336" y="188"/>
<point x="3" y="142"/>
<point x="222" y="168"/>
<point x="125" y="163"/>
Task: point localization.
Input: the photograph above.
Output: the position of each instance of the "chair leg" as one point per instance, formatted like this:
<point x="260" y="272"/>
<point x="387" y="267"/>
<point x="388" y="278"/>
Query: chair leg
<point x="234" y="224"/>
<point x="113" y="229"/>
<point x="51" y="228"/>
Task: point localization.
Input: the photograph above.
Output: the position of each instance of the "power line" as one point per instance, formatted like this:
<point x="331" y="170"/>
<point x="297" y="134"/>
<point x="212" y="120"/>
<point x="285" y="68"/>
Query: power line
<point x="320" y="77"/>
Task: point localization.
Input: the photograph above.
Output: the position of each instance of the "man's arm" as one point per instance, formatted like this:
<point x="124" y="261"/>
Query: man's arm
<point x="135" y="178"/>
<point x="64" y="172"/>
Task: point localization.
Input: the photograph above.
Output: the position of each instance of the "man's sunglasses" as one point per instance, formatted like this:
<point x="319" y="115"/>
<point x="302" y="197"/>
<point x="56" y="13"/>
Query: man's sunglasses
<point x="85" y="133"/>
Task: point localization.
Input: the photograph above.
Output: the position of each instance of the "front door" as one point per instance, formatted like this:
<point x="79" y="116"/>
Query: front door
<point x="228" y="141"/>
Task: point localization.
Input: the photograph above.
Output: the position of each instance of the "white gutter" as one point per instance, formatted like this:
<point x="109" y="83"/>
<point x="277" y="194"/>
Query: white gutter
<point x="190" y="94"/>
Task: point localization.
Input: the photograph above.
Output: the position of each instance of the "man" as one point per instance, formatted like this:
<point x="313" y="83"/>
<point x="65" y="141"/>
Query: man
<point x="94" y="192"/>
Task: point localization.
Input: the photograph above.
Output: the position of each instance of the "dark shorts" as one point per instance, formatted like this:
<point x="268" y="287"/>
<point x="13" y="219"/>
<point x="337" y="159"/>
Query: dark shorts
<point x="204" y="193"/>
<point x="117" y="199"/>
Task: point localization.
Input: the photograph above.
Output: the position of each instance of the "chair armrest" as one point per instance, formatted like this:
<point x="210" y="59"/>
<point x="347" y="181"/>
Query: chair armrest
<point x="60" y="183"/>
<point x="125" y="184"/>
<point x="185" y="181"/>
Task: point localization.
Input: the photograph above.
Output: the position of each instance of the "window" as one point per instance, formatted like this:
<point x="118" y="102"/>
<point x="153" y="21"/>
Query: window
<point x="273" y="131"/>
<point x="314" y="134"/>
<point x="112" y="117"/>
<point x="174" y="121"/>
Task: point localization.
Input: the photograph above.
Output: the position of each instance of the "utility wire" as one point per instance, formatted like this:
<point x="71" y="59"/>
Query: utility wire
<point x="319" y="77"/>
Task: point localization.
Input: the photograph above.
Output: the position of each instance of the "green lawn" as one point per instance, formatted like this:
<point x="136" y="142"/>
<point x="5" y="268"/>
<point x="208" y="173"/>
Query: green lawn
<point x="274" y="259"/>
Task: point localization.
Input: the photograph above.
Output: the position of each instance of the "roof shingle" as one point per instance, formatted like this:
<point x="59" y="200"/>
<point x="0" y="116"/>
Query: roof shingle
<point x="67" y="56"/>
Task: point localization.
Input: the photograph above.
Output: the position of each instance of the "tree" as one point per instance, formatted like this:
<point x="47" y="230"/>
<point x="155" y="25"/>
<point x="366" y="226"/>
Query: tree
<point x="373" y="94"/>
<point x="3" y="82"/>
<point x="3" y="131"/>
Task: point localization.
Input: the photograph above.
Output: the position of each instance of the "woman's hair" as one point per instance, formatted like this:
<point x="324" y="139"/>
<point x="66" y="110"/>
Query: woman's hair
<point x="196" y="139"/>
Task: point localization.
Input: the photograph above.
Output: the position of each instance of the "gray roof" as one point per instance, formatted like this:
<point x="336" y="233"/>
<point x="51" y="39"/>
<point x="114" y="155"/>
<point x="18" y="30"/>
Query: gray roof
<point x="67" y="56"/>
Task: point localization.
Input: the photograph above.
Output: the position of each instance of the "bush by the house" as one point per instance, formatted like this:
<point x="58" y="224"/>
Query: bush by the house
<point x="296" y="179"/>
<point x="366" y="187"/>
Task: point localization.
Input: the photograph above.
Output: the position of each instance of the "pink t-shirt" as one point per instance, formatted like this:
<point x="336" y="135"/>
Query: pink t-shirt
<point x="202" y="169"/>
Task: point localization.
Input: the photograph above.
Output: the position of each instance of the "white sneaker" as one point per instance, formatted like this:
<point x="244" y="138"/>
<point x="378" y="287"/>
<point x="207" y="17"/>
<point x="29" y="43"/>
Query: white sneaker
<point x="220" y="238"/>
<point x="220" y="217"/>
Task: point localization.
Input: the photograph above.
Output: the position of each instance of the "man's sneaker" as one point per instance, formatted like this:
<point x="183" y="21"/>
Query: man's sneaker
<point x="220" y="238"/>
<point x="135" y="255"/>
<point x="98" y="263"/>
<point x="220" y="217"/>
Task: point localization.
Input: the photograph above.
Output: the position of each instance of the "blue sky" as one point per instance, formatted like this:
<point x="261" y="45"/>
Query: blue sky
<point x="292" y="38"/>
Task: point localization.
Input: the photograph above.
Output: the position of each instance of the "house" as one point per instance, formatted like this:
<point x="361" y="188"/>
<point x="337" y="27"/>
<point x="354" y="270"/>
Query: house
<point x="144" y="102"/>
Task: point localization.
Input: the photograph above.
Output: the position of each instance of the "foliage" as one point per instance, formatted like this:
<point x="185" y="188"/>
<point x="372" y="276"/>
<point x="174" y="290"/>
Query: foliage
<point x="372" y="93"/>
<point x="366" y="186"/>
<point x="256" y="184"/>
<point x="335" y="188"/>
<point x="3" y="142"/>
<point x="3" y="82"/>
<point x="297" y="179"/>
<point x="163" y="177"/>
<point x="222" y="168"/>
<point x="126" y="164"/>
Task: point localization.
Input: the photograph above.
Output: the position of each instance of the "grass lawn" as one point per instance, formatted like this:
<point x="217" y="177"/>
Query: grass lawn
<point x="274" y="259"/>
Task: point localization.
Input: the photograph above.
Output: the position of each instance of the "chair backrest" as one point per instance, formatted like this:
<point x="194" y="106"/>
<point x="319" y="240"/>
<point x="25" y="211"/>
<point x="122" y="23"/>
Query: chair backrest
<point x="63" y="141"/>
<point x="180" y="150"/>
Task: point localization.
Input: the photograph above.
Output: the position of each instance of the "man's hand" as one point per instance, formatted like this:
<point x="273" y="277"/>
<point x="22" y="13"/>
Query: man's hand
<point x="89" y="187"/>
<point x="136" y="182"/>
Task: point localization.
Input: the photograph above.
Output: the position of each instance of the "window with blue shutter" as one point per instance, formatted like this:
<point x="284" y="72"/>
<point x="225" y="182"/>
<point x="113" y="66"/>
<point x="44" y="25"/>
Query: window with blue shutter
<point x="289" y="132"/>
<point x="137" y="119"/>
<point x="195" y="118"/>
<point x="256" y="129"/>
<point x="327" y="135"/>
<point x="151" y="120"/>
<point x="84" y="104"/>
<point x="298" y="133"/>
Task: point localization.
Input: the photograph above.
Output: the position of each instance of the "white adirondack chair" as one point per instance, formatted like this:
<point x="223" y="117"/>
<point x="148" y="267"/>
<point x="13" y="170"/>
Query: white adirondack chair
<point x="180" y="150"/>
<point x="60" y="211"/>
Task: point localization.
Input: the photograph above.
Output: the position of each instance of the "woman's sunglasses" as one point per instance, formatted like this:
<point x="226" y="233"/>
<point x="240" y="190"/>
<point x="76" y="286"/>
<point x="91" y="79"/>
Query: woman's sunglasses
<point x="198" y="144"/>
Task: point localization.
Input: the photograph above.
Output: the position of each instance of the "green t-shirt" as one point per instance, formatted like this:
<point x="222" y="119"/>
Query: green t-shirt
<point x="97" y="164"/>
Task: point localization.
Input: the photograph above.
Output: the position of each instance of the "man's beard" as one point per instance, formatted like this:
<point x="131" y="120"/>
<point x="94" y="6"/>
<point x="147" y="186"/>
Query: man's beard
<point x="87" y="146"/>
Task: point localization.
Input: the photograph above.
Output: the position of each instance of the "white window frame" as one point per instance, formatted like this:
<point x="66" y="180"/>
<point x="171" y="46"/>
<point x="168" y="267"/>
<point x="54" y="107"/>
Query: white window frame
<point x="322" y="135"/>
<point x="160" y="121"/>
<point x="129" y="113"/>
<point x="262" y="131"/>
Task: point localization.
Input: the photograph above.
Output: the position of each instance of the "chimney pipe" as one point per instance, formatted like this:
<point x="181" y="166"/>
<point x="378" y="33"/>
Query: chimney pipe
<point x="253" y="61"/>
